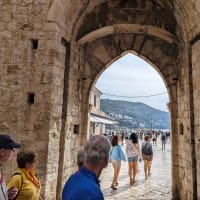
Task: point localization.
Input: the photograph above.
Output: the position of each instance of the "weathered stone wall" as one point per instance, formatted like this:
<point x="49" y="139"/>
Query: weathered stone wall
<point x="187" y="13"/>
<point x="28" y="73"/>
<point x="183" y="147"/>
<point x="24" y="77"/>
<point x="196" y="96"/>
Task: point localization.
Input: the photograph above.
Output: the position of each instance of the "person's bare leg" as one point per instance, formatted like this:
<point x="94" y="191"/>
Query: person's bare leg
<point x="145" y="168"/>
<point x="116" y="172"/>
<point x="135" y="166"/>
<point x="114" y="177"/>
<point x="117" y="169"/>
<point x="130" y="165"/>
<point x="149" y="168"/>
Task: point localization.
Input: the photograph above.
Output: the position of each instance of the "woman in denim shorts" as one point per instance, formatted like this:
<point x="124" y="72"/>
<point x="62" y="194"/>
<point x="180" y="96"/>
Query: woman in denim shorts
<point x="133" y="155"/>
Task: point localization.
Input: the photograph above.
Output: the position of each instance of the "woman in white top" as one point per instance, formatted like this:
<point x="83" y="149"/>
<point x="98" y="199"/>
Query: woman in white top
<point x="133" y="155"/>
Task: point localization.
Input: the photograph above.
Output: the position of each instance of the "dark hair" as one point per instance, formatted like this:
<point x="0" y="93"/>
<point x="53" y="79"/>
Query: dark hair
<point x="25" y="157"/>
<point x="146" y="137"/>
<point x="80" y="158"/>
<point x="134" y="138"/>
<point x="114" y="141"/>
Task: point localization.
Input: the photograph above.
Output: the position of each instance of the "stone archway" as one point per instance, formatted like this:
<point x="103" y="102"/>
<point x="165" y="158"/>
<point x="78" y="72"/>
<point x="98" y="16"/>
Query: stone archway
<point x="104" y="38"/>
<point x="98" y="53"/>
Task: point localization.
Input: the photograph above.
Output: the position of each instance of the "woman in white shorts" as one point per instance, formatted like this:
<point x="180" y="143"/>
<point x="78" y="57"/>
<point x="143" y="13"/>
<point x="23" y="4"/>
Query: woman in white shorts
<point x="116" y="155"/>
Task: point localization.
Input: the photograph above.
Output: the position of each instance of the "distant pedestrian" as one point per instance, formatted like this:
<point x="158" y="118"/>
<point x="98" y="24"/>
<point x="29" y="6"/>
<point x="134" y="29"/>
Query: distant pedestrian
<point x="80" y="158"/>
<point x="122" y="137"/>
<point x="167" y="136"/>
<point x="116" y="155"/>
<point x="154" y="139"/>
<point x="147" y="155"/>
<point x="133" y="155"/>
<point x="163" y="141"/>
<point x="84" y="184"/>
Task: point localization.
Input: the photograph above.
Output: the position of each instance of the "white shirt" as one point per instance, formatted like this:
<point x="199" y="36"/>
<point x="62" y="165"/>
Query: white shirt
<point x="3" y="189"/>
<point x="132" y="149"/>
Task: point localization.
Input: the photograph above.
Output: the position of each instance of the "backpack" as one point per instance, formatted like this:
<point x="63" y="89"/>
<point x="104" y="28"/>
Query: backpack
<point x="163" y="137"/>
<point x="146" y="149"/>
<point x="17" y="173"/>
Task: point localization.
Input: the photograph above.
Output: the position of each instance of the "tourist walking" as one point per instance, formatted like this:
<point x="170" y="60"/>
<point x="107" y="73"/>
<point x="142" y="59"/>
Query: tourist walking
<point x="154" y="139"/>
<point x="147" y="155"/>
<point x="24" y="179"/>
<point x="116" y="155"/>
<point x="122" y="138"/>
<point x="163" y="141"/>
<point x="84" y="184"/>
<point x="133" y="155"/>
<point x="7" y="148"/>
<point x="80" y="158"/>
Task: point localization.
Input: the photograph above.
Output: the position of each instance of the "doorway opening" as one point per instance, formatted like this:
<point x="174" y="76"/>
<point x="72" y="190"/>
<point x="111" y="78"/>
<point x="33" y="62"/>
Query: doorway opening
<point x="132" y="94"/>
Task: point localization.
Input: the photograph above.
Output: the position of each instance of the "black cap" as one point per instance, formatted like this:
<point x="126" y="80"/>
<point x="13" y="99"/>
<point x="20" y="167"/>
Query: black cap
<point x="7" y="143"/>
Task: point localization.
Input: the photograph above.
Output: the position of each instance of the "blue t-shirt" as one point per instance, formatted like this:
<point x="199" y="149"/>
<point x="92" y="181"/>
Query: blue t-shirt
<point x="83" y="185"/>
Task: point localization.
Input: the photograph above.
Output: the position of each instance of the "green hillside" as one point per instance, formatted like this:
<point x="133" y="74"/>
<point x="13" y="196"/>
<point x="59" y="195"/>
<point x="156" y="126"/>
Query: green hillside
<point x="135" y="114"/>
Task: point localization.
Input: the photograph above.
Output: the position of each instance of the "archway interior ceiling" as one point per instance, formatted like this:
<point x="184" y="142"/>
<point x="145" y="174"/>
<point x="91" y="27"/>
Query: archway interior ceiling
<point x="127" y="12"/>
<point x="104" y="50"/>
<point x="162" y="54"/>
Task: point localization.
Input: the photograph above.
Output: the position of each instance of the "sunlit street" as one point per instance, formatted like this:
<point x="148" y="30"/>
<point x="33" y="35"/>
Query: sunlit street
<point x="158" y="186"/>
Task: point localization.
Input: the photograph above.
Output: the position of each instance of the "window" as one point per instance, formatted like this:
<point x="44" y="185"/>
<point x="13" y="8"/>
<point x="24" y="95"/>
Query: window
<point x="95" y="100"/>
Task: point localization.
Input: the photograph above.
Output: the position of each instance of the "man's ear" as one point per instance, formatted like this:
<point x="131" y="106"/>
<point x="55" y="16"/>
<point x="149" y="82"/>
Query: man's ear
<point x="2" y="151"/>
<point x="106" y="160"/>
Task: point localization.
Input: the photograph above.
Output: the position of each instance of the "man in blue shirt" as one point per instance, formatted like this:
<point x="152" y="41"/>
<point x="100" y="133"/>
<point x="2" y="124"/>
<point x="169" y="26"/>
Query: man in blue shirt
<point x="84" y="184"/>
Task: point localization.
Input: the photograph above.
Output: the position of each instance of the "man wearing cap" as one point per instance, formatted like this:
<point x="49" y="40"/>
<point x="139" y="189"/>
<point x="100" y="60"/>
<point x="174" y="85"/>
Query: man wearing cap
<point x="7" y="147"/>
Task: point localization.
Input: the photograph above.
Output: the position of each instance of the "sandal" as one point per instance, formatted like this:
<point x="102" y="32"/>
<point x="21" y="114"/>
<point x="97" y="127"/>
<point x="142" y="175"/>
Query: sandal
<point x="113" y="187"/>
<point x="116" y="184"/>
<point x="131" y="181"/>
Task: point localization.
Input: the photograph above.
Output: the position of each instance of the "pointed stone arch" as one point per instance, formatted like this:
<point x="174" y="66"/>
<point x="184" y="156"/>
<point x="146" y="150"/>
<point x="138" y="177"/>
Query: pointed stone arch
<point x="103" y="36"/>
<point x="102" y="52"/>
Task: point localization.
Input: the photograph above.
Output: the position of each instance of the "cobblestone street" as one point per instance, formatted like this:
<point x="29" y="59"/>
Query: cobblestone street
<point x="157" y="187"/>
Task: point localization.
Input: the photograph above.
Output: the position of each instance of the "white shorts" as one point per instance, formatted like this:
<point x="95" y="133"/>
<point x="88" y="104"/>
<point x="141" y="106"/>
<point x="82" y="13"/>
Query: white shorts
<point x="116" y="162"/>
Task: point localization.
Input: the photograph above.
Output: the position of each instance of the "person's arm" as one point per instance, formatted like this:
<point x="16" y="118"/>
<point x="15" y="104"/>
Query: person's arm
<point x="126" y="148"/>
<point x="139" y="152"/>
<point x="12" y="193"/>
<point x="151" y="148"/>
<point x="14" y="184"/>
<point x="15" y="181"/>
<point x="110" y="153"/>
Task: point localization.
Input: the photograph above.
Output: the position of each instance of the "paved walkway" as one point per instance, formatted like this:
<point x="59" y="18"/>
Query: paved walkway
<point x="157" y="187"/>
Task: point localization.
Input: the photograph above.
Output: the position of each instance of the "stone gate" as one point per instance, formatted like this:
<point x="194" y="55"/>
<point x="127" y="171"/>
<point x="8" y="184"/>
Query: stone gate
<point x="53" y="51"/>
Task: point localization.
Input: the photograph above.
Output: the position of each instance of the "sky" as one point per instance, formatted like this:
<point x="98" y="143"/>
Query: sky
<point x="132" y="77"/>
